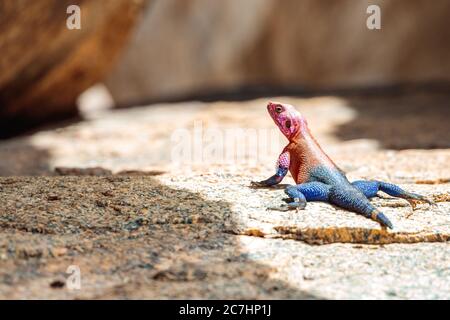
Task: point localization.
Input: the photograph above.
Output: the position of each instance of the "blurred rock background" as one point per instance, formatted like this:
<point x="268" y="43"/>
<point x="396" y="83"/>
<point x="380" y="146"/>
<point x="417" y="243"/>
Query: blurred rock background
<point x="184" y="48"/>
<point x="45" y="66"/>
<point x="172" y="49"/>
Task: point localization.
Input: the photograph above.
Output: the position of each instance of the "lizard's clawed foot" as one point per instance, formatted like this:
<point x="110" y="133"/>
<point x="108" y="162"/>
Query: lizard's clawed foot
<point x="430" y="202"/>
<point x="282" y="207"/>
<point x="292" y="204"/>
<point x="418" y="199"/>
<point x="288" y="200"/>
<point x="257" y="184"/>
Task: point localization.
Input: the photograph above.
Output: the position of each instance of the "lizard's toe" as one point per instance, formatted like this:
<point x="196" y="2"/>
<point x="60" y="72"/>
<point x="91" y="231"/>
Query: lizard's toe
<point x="282" y="207"/>
<point x="289" y="206"/>
<point x="288" y="200"/>
<point x="430" y="202"/>
<point x="297" y="205"/>
<point x="256" y="184"/>
<point x="418" y="199"/>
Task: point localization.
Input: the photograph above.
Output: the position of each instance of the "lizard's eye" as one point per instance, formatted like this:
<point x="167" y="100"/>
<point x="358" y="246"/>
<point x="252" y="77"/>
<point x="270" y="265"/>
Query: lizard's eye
<point x="288" y="124"/>
<point x="278" y="109"/>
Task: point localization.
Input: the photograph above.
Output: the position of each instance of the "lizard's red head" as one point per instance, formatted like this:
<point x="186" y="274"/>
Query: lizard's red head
<point x="289" y="120"/>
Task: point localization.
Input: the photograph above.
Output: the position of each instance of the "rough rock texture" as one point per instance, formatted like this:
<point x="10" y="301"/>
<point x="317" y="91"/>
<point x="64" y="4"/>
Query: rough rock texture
<point x="45" y="66"/>
<point x="141" y="222"/>
<point x="135" y="237"/>
<point x="201" y="47"/>
<point x="130" y="237"/>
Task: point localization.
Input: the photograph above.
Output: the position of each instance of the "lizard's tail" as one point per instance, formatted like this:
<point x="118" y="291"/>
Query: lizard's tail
<point x="381" y="218"/>
<point x="354" y="200"/>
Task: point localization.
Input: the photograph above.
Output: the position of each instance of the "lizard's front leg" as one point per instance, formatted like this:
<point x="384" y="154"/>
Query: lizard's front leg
<point x="282" y="169"/>
<point x="300" y="194"/>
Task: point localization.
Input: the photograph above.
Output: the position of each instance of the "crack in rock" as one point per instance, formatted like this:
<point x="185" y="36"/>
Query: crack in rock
<point x="356" y="235"/>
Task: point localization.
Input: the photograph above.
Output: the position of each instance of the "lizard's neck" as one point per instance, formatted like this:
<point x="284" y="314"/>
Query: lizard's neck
<point x="308" y="147"/>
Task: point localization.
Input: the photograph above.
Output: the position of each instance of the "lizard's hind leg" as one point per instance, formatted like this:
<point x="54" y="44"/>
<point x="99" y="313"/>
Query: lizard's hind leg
<point x="370" y="189"/>
<point x="300" y="194"/>
<point x="396" y="191"/>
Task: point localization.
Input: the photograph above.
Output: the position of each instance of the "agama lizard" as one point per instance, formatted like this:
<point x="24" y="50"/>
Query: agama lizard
<point x="317" y="177"/>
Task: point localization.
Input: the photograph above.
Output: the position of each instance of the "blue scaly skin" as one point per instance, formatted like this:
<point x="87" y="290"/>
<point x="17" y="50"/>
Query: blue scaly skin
<point x="316" y="175"/>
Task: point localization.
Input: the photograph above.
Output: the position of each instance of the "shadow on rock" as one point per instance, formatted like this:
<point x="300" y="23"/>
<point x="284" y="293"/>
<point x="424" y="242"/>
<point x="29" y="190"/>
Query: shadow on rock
<point x="131" y="237"/>
<point x="20" y="157"/>
<point x="400" y="121"/>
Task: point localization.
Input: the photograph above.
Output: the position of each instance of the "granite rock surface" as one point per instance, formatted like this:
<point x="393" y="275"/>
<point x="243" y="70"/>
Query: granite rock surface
<point x="118" y="197"/>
